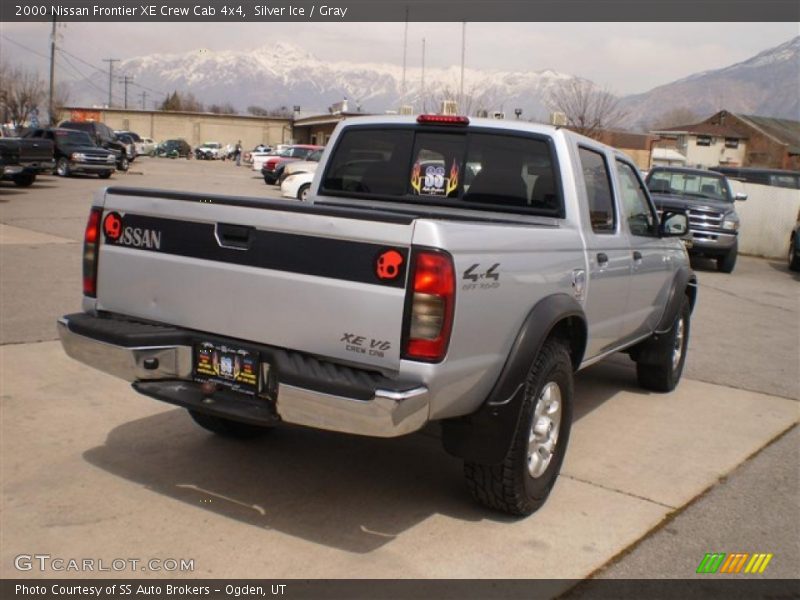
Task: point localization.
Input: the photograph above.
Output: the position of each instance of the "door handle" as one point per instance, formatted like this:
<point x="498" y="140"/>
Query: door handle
<point x="637" y="255"/>
<point x="602" y="258"/>
<point x="234" y="237"/>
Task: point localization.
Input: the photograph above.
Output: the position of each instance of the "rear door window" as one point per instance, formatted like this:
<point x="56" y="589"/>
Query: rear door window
<point x="475" y="169"/>
<point x="597" y="180"/>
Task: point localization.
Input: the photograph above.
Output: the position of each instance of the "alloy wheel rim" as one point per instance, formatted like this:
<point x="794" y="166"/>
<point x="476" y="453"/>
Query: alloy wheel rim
<point x="545" y="425"/>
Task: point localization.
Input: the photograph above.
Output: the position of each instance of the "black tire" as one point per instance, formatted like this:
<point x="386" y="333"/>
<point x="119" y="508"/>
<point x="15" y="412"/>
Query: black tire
<point x="123" y="164"/>
<point x="302" y="193"/>
<point x="661" y="373"/>
<point x="510" y="486"/>
<point x="24" y="179"/>
<point x="104" y="174"/>
<point x="228" y="428"/>
<point x="792" y="259"/>
<point x="725" y="264"/>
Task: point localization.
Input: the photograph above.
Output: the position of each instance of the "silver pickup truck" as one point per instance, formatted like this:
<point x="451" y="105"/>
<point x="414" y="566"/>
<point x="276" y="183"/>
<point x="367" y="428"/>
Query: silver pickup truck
<point x="444" y="269"/>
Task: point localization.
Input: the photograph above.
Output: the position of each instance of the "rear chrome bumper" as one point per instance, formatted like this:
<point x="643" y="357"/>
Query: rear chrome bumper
<point x="165" y="373"/>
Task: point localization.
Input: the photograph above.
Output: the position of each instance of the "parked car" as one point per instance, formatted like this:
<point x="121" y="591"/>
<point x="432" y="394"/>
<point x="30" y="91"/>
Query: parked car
<point x="209" y="151"/>
<point x="138" y="142"/>
<point x="127" y="140"/>
<point x="397" y="297"/>
<point x="297" y="185"/>
<point x="146" y="147"/>
<point x="273" y="165"/>
<point x="75" y="152"/>
<point x="773" y="177"/>
<point x="102" y="136"/>
<point x="300" y="166"/>
<point x="25" y="158"/>
<point x="257" y="157"/>
<point x="708" y="200"/>
<point x="177" y="148"/>
<point x="793" y="256"/>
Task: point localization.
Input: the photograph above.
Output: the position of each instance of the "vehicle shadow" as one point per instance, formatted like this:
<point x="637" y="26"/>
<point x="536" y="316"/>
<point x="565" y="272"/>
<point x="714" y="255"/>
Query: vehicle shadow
<point x="784" y="268"/>
<point x="348" y="492"/>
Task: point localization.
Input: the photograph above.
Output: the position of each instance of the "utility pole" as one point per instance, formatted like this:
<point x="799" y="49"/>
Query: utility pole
<point x="125" y="80"/>
<point x="405" y="50"/>
<point x="422" y="83"/>
<point x="110" y="62"/>
<point x="50" y="108"/>
<point x="144" y="100"/>
<point x="463" y="53"/>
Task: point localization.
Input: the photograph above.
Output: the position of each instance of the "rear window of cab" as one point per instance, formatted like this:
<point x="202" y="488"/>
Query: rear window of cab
<point x="475" y="169"/>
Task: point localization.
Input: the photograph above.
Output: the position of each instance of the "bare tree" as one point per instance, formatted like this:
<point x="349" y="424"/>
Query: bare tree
<point x="222" y="109"/>
<point x="22" y="91"/>
<point x="61" y="96"/>
<point x="589" y="109"/>
<point x="257" y="111"/>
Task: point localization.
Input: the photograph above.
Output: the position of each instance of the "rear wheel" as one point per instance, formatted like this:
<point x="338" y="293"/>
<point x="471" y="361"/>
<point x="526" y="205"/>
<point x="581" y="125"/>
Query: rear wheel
<point x="227" y="427"/>
<point x="663" y="369"/>
<point x="521" y="484"/>
<point x="302" y="193"/>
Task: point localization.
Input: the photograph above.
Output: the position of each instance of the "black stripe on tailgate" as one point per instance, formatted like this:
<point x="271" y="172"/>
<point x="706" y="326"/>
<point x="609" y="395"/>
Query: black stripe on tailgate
<point x="295" y="253"/>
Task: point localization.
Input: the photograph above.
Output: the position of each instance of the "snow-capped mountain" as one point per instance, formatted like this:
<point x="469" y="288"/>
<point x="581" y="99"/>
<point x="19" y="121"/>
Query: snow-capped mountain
<point x="767" y="84"/>
<point x="283" y="74"/>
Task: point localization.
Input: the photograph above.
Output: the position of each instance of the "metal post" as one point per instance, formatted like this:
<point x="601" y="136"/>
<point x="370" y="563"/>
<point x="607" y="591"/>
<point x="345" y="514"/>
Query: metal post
<point x="110" y="62"/>
<point x="50" y="107"/>
<point x="461" y="105"/>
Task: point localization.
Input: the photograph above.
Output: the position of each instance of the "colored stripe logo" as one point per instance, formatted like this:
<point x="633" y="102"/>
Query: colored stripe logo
<point x="731" y="564"/>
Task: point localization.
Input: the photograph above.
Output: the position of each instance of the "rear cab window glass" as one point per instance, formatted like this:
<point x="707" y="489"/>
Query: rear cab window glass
<point x="597" y="179"/>
<point x="467" y="169"/>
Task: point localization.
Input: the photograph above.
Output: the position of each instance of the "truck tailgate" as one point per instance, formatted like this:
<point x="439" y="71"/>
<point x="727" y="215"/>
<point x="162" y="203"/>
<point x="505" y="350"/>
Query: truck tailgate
<point x="276" y="272"/>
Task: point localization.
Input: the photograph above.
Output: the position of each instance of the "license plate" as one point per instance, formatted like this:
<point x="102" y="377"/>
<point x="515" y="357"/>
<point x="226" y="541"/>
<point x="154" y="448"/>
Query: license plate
<point x="226" y="365"/>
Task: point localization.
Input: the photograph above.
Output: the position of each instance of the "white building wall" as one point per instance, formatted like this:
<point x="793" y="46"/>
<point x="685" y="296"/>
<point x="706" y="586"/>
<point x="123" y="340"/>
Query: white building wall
<point x="767" y="218"/>
<point x="715" y="154"/>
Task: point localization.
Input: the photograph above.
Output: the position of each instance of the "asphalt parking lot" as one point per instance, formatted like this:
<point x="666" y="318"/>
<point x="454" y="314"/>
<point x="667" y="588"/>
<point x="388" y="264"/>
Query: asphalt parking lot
<point x="91" y="469"/>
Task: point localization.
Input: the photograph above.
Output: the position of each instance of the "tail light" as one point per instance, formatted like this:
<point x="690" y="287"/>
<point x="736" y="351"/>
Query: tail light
<point x="91" y="241"/>
<point x="430" y="316"/>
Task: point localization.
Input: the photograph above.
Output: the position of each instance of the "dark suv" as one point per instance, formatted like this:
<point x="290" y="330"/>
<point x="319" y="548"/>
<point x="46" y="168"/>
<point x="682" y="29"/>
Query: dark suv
<point x="707" y="198"/>
<point x="101" y="135"/>
<point x="75" y="152"/>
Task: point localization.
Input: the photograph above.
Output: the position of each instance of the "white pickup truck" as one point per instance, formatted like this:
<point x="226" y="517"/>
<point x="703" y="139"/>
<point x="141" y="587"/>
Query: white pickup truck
<point x="444" y="269"/>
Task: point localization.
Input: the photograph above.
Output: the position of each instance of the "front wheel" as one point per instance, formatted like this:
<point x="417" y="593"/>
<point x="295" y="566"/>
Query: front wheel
<point x="793" y="260"/>
<point x="521" y="484"/>
<point x="227" y="427"/>
<point x="725" y="264"/>
<point x="104" y="175"/>
<point x="123" y="164"/>
<point x="302" y="193"/>
<point x="662" y="370"/>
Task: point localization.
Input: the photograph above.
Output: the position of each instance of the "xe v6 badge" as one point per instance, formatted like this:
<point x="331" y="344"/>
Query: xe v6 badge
<point x="388" y="265"/>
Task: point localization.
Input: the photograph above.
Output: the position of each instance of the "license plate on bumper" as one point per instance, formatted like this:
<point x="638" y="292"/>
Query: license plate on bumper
<point x="229" y="366"/>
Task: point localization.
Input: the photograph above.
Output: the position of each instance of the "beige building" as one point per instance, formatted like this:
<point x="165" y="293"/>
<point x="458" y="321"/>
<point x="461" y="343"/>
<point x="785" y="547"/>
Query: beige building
<point x="195" y="128"/>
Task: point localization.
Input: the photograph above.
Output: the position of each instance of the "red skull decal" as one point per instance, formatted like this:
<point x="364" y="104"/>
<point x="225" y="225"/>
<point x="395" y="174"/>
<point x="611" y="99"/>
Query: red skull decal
<point x="112" y="226"/>
<point x="389" y="263"/>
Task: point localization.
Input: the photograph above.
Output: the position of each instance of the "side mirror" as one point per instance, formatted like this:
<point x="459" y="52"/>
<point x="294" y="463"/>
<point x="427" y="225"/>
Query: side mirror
<point x="740" y="196"/>
<point x="673" y="224"/>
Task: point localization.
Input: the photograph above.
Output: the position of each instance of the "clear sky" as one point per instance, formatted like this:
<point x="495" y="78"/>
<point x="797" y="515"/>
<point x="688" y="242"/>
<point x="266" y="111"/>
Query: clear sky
<point x="625" y="57"/>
